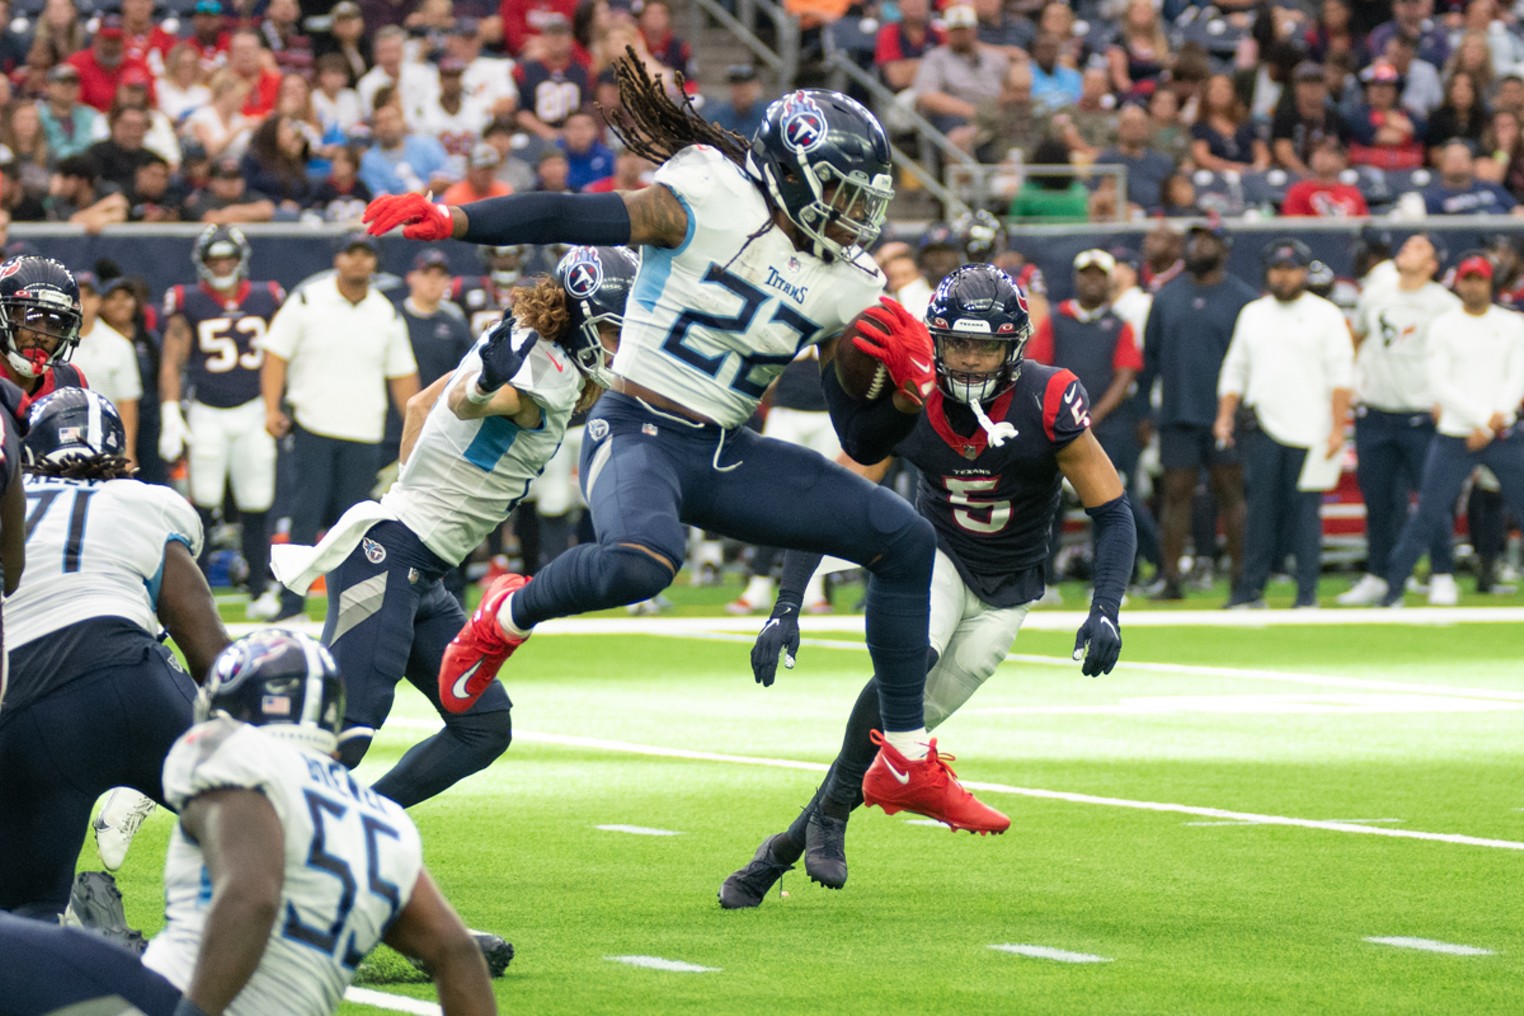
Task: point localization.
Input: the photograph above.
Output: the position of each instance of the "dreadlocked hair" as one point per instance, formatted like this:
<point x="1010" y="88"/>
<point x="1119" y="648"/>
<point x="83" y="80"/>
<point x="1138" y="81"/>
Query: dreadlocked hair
<point x="79" y="466"/>
<point x="654" y="127"/>
<point x="543" y="308"/>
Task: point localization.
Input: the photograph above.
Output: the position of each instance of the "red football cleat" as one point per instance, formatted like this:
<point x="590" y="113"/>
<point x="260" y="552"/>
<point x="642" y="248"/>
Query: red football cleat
<point x="927" y="787"/>
<point x="473" y="657"/>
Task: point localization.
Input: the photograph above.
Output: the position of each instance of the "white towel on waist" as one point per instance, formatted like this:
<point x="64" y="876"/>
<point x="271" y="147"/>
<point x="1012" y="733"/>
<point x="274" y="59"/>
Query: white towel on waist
<point x="298" y="566"/>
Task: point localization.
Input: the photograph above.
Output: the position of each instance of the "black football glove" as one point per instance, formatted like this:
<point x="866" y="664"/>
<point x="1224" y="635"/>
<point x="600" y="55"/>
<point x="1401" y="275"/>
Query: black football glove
<point x="500" y="360"/>
<point x="1098" y="643"/>
<point x="779" y="636"/>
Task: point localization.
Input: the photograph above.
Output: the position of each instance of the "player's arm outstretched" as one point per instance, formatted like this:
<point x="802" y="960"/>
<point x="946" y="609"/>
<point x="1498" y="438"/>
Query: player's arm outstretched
<point x="1090" y="472"/>
<point x="430" y="929"/>
<point x="486" y="392"/>
<point x="244" y="847"/>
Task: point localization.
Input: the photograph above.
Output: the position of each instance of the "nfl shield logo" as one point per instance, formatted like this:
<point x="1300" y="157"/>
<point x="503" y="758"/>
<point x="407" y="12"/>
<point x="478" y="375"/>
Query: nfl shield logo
<point x="648" y="429"/>
<point x="374" y="552"/>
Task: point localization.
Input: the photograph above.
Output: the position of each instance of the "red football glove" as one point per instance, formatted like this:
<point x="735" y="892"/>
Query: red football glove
<point x="422" y="218"/>
<point x="904" y="350"/>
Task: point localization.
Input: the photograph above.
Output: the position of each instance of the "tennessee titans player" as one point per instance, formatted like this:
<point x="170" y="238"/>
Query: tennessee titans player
<point x="749" y="253"/>
<point x="996" y="441"/>
<point x="472" y="443"/>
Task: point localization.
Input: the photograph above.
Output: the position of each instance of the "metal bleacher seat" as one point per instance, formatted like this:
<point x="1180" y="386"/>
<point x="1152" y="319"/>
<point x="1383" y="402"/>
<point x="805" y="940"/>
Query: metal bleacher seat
<point x="1373" y="185"/>
<point x="1267" y="189"/>
<point x="1404" y="180"/>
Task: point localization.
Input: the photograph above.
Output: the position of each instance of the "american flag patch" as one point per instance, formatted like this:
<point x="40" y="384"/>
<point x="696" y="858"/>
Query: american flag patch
<point x="648" y="429"/>
<point x="275" y="705"/>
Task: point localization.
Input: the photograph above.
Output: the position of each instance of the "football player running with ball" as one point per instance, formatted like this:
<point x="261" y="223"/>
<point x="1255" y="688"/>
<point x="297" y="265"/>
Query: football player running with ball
<point x="996" y="441"/>
<point x="472" y="443"/>
<point x="749" y="253"/>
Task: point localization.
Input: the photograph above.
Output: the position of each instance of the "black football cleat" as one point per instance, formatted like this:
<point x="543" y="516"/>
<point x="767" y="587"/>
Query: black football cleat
<point x="747" y="886"/>
<point x="825" y="850"/>
<point x="95" y="904"/>
<point x="495" y="950"/>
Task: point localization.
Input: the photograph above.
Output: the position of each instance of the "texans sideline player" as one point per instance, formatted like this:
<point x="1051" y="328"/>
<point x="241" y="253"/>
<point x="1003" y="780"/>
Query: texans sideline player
<point x="749" y="254"/>
<point x="996" y="441"/>
<point x="39" y="327"/>
<point x="212" y="357"/>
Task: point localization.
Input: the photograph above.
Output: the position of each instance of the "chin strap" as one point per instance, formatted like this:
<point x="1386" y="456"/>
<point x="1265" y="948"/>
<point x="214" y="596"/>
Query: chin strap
<point x="999" y="433"/>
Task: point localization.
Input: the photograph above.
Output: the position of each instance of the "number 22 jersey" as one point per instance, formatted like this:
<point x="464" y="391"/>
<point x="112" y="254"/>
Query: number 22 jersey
<point x="227" y="337"/>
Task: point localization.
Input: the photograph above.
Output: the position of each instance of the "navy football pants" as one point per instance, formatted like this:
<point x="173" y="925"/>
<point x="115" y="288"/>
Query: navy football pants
<point x="1279" y="516"/>
<point x="648" y="475"/>
<point x="1444" y="474"/>
<point x="1391" y="448"/>
<point x="51" y="970"/>
<point x="109" y="728"/>
<point x="392" y="618"/>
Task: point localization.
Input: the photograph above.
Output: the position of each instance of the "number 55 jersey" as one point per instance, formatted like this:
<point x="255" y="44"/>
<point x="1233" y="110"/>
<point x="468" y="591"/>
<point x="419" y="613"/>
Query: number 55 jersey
<point x="352" y="858"/>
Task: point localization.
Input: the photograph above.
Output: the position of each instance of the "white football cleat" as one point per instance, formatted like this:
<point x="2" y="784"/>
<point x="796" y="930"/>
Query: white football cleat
<point x="266" y="607"/>
<point x="1443" y="592"/>
<point x="1368" y="592"/>
<point x="121" y="815"/>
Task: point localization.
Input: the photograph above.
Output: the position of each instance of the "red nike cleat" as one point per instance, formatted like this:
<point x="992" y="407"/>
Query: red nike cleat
<point x="927" y="787"/>
<point x="473" y="657"/>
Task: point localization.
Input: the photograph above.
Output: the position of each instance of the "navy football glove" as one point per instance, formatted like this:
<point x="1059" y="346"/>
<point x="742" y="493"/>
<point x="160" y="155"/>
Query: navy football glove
<point x="779" y="636"/>
<point x="1098" y="643"/>
<point x="500" y="360"/>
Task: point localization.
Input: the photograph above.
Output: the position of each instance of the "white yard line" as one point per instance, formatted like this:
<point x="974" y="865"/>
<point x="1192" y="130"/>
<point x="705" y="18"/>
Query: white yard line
<point x="657" y="963"/>
<point x="1221" y="814"/>
<point x="1044" y="952"/>
<point x="1429" y="945"/>
<point x="638" y="830"/>
<point x="394" y="1003"/>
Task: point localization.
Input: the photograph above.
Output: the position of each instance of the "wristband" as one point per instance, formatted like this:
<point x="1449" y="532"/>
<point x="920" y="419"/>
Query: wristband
<point x="474" y="393"/>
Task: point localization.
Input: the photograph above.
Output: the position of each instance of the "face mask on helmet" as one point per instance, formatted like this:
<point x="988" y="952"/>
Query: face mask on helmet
<point x="824" y="160"/>
<point x="39" y="314"/>
<point x="222" y="243"/>
<point x="979" y="327"/>
<point x="281" y="681"/>
<point x="504" y="264"/>
<point x="597" y="283"/>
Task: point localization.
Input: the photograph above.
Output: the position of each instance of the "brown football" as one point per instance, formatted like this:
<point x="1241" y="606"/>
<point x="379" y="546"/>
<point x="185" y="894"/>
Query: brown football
<point x="862" y="377"/>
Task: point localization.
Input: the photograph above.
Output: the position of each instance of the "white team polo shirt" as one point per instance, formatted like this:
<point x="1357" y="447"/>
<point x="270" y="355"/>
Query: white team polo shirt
<point x="340" y="355"/>
<point x="110" y="363"/>
<point x="1285" y="360"/>
<point x="1476" y="367"/>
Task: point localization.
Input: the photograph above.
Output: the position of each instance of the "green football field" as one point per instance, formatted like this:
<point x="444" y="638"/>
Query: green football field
<point x="1231" y="822"/>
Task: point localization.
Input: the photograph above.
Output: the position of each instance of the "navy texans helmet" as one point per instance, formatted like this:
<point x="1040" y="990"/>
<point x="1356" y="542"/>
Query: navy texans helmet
<point x="73" y="423"/>
<point x="221" y="242"/>
<point x="597" y="281"/>
<point x="979" y="304"/>
<point x="38" y="297"/>
<point x="824" y="160"/>
<point x="281" y="681"/>
<point x="981" y="235"/>
<point x="505" y="264"/>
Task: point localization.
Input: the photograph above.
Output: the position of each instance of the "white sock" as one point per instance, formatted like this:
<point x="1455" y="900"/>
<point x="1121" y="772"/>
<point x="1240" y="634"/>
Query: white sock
<point x="909" y="743"/>
<point x="759" y="591"/>
<point x="814" y="592"/>
<point x="505" y="620"/>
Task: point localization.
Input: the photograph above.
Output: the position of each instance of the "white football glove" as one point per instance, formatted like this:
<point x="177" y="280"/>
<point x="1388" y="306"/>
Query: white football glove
<point x="174" y="435"/>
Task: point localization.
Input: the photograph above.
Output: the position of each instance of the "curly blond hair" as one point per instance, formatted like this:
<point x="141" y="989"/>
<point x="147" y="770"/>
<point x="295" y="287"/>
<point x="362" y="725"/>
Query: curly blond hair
<point x="543" y="308"/>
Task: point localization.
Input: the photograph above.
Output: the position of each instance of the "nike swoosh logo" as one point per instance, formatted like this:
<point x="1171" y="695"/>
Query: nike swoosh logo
<point x="555" y="363"/>
<point x="458" y="689"/>
<point x="1107" y="622"/>
<point x="1069" y="396"/>
<point x="902" y="777"/>
<point x="919" y="365"/>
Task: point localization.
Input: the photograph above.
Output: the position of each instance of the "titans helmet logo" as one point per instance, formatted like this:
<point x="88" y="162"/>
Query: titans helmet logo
<point x="804" y="123"/>
<point x="584" y="274"/>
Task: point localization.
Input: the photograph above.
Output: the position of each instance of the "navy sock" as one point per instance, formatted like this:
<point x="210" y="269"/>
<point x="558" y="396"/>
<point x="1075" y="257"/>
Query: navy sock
<point x="256" y="551"/>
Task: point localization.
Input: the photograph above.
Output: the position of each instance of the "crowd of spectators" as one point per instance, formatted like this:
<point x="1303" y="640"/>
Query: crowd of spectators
<point x="1223" y="108"/>
<point x="240" y="111"/>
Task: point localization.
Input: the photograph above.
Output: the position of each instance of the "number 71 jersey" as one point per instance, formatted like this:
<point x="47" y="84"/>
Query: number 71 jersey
<point x="227" y="338"/>
<point x="712" y="321"/>
<point x="95" y="549"/>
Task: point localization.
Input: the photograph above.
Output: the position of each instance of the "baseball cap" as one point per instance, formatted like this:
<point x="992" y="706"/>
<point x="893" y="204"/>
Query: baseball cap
<point x="1287" y="251"/>
<point x="960" y="16"/>
<point x="1476" y="264"/>
<point x="63" y="72"/>
<point x="87" y="280"/>
<point x="1213" y="227"/>
<point x="110" y="27"/>
<point x="737" y="74"/>
<point x="1094" y="258"/>
<point x="214" y="8"/>
<point x="484" y="156"/>
<point x="1380" y="73"/>
<point x="358" y="238"/>
<point x="1125" y="256"/>
<point x="431" y="257"/>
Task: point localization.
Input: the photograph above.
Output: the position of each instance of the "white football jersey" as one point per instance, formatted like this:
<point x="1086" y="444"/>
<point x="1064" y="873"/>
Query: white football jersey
<point x="95" y="549"/>
<point x="352" y="860"/>
<point x="710" y="323"/>
<point x="1392" y="366"/>
<point x="463" y="477"/>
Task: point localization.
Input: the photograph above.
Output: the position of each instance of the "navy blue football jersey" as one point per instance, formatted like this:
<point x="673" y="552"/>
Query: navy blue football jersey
<point x="993" y="507"/>
<point x="482" y="299"/>
<point x="227" y="338"/>
<point x="552" y="95"/>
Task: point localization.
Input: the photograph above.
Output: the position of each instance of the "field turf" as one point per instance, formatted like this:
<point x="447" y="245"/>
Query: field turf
<point x="1220" y="826"/>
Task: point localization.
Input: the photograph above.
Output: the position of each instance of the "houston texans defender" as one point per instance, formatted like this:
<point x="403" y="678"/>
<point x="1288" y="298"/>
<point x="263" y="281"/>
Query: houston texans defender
<point x="39" y="327"/>
<point x="212" y="338"/>
<point x="996" y="441"/>
<point x="94" y="699"/>
<point x="749" y="254"/>
<point x="472" y="444"/>
<point x="283" y="871"/>
<point x="485" y="298"/>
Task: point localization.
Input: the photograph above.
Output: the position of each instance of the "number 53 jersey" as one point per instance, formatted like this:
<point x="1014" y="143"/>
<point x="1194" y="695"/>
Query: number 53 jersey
<point x="711" y="322"/>
<point x="352" y="858"/>
<point x="95" y="549"/>
<point x="227" y="336"/>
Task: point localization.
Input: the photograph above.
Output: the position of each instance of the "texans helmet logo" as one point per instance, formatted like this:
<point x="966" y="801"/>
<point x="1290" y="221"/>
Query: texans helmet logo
<point x="804" y="123"/>
<point x="10" y="268"/>
<point x="585" y="274"/>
